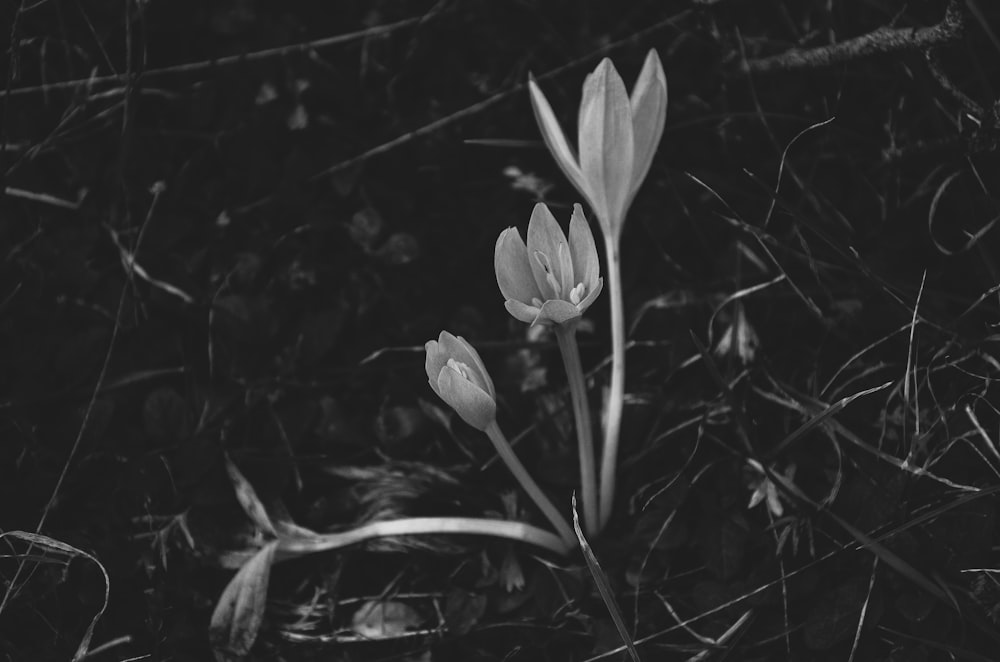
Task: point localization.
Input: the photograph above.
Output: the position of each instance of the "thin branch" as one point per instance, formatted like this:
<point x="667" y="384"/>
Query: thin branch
<point x="204" y="65"/>
<point x="466" y="112"/>
<point x="936" y="70"/>
<point x="882" y="41"/>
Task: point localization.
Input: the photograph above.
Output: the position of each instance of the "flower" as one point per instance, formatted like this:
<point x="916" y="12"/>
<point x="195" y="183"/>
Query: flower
<point x="548" y="281"/>
<point x="458" y="376"/>
<point x="617" y="137"/>
<point x="739" y="339"/>
<point x="764" y="489"/>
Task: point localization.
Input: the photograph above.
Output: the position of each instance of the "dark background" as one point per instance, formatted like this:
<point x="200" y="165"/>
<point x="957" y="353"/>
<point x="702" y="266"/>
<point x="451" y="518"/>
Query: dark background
<point x="210" y="259"/>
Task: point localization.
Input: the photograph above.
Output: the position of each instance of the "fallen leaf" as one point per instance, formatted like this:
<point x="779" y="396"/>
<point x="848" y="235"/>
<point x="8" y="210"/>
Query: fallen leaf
<point x="240" y="611"/>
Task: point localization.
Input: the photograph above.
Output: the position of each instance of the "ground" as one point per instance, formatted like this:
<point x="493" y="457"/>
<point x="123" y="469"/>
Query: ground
<point x="227" y="235"/>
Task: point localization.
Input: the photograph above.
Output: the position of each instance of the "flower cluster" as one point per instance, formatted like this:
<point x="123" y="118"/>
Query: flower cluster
<point x="553" y="278"/>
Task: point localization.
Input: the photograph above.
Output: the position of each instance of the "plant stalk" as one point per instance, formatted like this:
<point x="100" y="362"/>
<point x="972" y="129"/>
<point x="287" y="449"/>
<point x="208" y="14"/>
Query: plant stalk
<point x="566" y="336"/>
<point x="530" y="486"/>
<point x="616" y="397"/>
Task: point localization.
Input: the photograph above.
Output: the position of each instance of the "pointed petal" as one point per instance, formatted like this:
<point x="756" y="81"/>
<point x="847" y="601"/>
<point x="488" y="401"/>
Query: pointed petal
<point x="564" y="268"/>
<point x="513" y="268"/>
<point x="592" y="294"/>
<point x="773" y="502"/>
<point x="606" y="143"/>
<point x="435" y="360"/>
<point x="557" y="311"/>
<point x="649" y="112"/>
<point x="522" y="311"/>
<point x="555" y="139"/>
<point x="458" y="348"/>
<point x="583" y="249"/>
<point x="545" y="236"/>
<point x="473" y="404"/>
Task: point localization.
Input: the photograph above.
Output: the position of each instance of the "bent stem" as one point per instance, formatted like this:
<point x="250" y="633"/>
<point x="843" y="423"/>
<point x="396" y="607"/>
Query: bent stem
<point x="566" y="335"/>
<point x="530" y="486"/>
<point x="616" y="397"/>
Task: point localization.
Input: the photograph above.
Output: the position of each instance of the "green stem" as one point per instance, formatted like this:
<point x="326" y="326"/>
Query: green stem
<point x="530" y="486"/>
<point x="566" y="335"/>
<point x="616" y="398"/>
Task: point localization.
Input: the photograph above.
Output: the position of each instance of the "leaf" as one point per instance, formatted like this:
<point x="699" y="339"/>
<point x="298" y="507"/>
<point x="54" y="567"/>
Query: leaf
<point x="366" y="227"/>
<point x="240" y="611"/>
<point x="58" y="546"/>
<point x="604" y="586"/>
<point x="384" y="620"/>
<point x="399" y="249"/>
<point x="247" y="496"/>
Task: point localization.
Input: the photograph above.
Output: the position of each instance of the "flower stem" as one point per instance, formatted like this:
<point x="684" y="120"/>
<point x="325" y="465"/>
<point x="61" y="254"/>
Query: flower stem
<point x="616" y="398"/>
<point x="566" y="335"/>
<point x="530" y="486"/>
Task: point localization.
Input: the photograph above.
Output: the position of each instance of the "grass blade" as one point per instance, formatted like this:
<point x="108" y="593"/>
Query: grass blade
<point x="604" y="586"/>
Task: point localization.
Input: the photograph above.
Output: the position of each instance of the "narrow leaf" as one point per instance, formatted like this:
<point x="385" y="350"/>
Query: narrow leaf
<point x="604" y="586"/>
<point x="59" y="546"/>
<point x="247" y="496"/>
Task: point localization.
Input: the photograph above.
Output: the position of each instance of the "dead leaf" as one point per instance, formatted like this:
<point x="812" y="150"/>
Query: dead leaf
<point x="240" y="611"/>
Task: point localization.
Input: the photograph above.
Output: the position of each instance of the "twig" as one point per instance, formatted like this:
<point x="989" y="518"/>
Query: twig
<point x="230" y="60"/>
<point x="464" y="113"/>
<point x="44" y="198"/>
<point x="934" y="66"/>
<point x="882" y="41"/>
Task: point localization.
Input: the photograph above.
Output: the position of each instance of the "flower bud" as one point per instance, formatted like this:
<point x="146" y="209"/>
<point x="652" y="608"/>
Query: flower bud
<point x="458" y="376"/>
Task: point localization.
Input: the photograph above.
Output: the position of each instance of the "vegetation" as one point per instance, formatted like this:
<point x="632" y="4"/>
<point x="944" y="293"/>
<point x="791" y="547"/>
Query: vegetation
<point x="230" y="228"/>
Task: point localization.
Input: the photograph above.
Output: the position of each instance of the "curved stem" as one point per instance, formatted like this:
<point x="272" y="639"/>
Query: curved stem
<point x="530" y="486"/>
<point x="616" y="397"/>
<point x="299" y="546"/>
<point x="566" y="335"/>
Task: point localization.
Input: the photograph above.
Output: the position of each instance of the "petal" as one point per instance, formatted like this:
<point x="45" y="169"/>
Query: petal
<point x="649" y="112"/>
<point x="545" y="236"/>
<point x="459" y="349"/>
<point x="606" y="143"/>
<point x="583" y="249"/>
<point x="473" y="404"/>
<point x="435" y="360"/>
<point x="555" y="139"/>
<point x="592" y="294"/>
<point x="557" y="311"/>
<point x="773" y="502"/>
<point x="522" y="311"/>
<point x="513" y="268"/>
